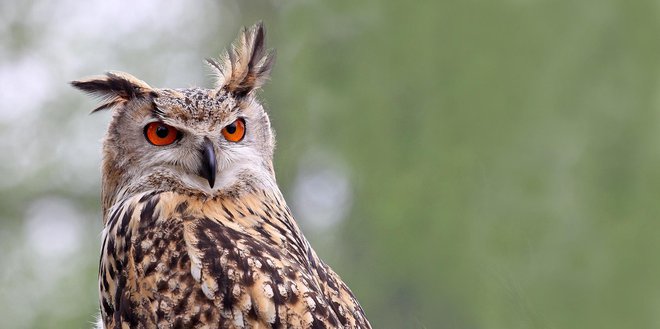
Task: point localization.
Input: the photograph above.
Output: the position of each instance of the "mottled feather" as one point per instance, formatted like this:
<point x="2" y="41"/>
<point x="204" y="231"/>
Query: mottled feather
<point x="229" y="262"/>
<point x="114" y="89"/>
<point x="246" y="64"/>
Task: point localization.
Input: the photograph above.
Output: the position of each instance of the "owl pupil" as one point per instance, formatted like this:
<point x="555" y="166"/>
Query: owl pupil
<point x="231" y="128"/>
<point x="162" y="131"/>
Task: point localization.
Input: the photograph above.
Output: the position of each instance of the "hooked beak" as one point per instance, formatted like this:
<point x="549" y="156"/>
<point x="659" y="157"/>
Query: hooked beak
<point x="209" y="165"/>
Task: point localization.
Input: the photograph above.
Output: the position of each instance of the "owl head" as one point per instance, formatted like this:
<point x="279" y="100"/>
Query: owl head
<point x="199" y="141"/>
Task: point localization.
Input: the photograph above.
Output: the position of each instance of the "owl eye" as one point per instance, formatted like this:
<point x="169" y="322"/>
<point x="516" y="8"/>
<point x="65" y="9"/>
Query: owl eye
<point x="160" y="134"/>
<point x="235" y="131"/>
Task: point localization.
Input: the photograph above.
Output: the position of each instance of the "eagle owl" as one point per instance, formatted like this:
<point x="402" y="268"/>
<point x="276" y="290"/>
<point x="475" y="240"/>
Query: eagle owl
<point x="196" y="232"/>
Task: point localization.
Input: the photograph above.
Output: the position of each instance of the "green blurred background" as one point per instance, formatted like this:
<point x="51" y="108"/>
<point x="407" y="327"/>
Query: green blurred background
<point x="462" y="164"/>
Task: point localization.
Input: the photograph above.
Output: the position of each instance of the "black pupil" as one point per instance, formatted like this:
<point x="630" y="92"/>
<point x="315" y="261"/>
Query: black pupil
<point x="231" y="128"/>
<point x="162" y="131"/>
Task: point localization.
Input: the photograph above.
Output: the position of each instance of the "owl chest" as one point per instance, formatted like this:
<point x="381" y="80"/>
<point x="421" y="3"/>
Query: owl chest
<point x="145" y="279"/>
<point x="167" y="262"/>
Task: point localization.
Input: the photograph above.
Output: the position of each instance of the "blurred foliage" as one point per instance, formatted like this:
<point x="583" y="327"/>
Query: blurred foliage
<point x="504" y="155"/>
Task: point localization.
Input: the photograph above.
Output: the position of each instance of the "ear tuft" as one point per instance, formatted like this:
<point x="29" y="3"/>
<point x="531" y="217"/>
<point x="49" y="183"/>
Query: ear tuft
<point x="246" y="65"/>
<point x="114" y="88"/>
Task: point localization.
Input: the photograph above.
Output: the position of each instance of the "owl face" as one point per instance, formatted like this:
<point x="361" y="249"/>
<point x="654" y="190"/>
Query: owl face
<point x="195" y="141"/>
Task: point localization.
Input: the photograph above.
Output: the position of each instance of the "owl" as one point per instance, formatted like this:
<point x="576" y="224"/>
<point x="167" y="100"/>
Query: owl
<point x="196" y="231"/>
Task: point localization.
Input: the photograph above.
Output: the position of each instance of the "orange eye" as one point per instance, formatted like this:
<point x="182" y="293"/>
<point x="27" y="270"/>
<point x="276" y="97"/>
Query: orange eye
<point x="235" y="131"/>
<point x="160" y="134"/>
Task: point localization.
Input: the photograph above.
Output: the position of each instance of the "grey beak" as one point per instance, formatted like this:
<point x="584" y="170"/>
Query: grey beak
<point x="209" y="165"/>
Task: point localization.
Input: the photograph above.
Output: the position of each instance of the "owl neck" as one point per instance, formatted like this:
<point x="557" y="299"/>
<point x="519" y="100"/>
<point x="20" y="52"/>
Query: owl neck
<point x="119" y="185"/>
<point x="250" y="204"/>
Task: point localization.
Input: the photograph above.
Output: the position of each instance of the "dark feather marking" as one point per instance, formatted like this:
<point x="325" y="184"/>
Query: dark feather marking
<point x="321" y="274"/>
<point x="107" y="308"/>
<point x="277" y="297"/>
<point x="182" y="207"/>
<point x="269" y="270"/>
<point x="159" y="248"/>
<point x="158" y="112"/>
<point x="121" y="86"/>
<point x="112" y="273"/>
<point x="162" y="286"/>
<point x="138" y="254"/>
<point x="285" y="222"/>
<point x="290" y="273"/>
<point x="114" y="216"/>
<point x="184" y="261"/>
<point x="320" y="310"/>
<point x="255" y="248"/>
<point x="126" y="219"/>
<point x="103" y="251"/>
<point x="271" y="250"/>
<point x="178" y="324"/>
<point x="318" y="324"/>
<point x="147" y="215"/>
<point x="225" y="283"/>
<point x="332" y="284"/>
<point x="172" y="263"/>
<point x="284" y="232"/>
<point x="110" y="250"/>
<point x="233" y="234"/>
<point x="127" y="242"/>
<point x="119" y="292"/>
<point x="200" y="298"/>
<point x="104" y="281"/>
<point x="160" y="314"/>
<point x="112" y="88"/>
<point x="150" y="268"/>
<point x="227" y="212"/>
<point x="252" y="313"/>
<point x="194" y="319"/>
<point x="240" y="213"/>
<point x="147" y="196"/>
<point x="267" y="206"/>
<point x="310" y="258"/>
<point x="248" y="278"/>
<point x="333" y="320"/>
<point x="181" y="305"/>
<point x="211" y="260"/>
<point x="258" y="47"/>
<point x="291" y="297"/>
<point x="263" y="232"/>
<point x="335" y="306"/>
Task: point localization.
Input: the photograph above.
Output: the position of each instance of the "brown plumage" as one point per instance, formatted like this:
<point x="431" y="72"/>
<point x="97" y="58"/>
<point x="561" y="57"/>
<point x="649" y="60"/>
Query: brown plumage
<point x="197" y="233"/>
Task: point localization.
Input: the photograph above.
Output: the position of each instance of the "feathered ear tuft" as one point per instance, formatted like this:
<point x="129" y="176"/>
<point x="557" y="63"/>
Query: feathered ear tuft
<point x="114" y="88"/>
<point x="246" y="65"/>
